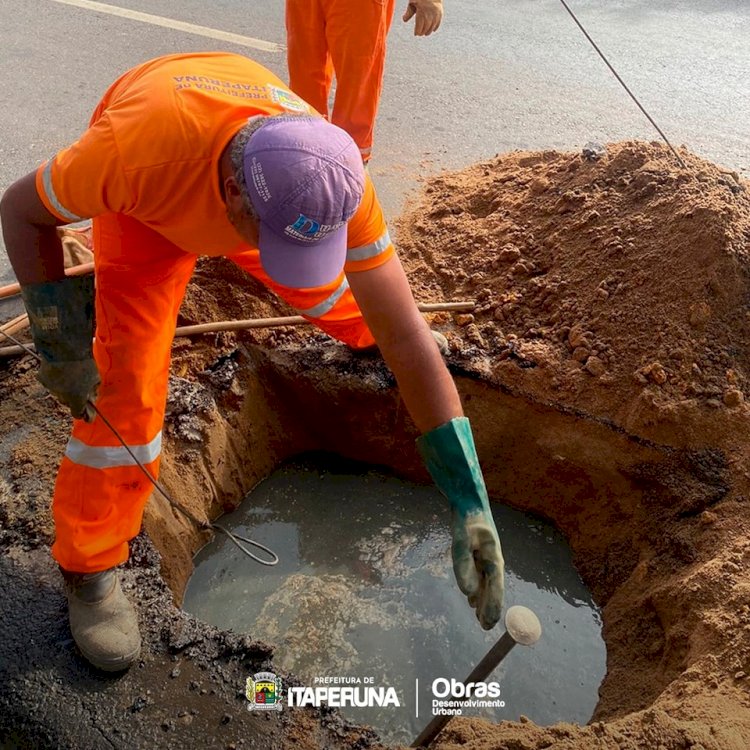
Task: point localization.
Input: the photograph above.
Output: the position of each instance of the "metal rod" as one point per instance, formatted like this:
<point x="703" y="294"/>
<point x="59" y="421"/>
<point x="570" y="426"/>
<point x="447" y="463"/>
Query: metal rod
<point x="623" y="84"/>
<point x="521" y="626"/>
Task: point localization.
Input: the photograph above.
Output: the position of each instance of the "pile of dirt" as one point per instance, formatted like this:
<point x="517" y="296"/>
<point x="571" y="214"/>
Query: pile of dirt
<point x="605" y="370"/>
<point x="615" y="281"/>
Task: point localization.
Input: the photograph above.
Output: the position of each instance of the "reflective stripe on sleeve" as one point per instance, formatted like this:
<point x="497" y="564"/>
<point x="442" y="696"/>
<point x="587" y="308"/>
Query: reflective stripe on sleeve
<point x="369" y="251"/>
<point x="319" y="310"/>
<point x="105" y="457"/>
<point x="50" y="193"/>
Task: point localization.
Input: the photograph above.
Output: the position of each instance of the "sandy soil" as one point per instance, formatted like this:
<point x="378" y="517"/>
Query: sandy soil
<point x="605" y="372"/>
<point x="617" y="288"/>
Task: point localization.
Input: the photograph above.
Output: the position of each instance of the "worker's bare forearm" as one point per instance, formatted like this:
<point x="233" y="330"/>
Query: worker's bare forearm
<point x="424" y="382"/>
<point x="407" y="345"/>
<point x="29" y="233"/>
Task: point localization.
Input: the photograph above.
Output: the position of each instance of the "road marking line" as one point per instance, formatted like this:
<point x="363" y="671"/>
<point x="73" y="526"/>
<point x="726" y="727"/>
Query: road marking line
<point x="169" y="23"/>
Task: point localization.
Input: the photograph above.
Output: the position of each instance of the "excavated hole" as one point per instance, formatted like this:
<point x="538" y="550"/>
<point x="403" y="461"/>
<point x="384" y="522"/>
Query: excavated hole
<point x="364" y="589"/>
<point x="609" y="493"/>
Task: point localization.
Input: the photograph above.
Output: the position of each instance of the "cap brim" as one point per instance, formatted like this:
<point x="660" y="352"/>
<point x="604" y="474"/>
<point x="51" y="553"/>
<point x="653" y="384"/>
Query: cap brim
<point x="302" y="266"/>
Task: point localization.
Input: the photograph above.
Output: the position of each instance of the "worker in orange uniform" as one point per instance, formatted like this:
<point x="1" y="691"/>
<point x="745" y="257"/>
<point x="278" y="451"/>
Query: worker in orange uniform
<point x="348" y="38"/>
<point x="210" y="154"/>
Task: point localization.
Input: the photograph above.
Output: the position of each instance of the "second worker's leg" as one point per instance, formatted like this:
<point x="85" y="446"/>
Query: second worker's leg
<point x="310" y="66"/>
<point x="356" y="34"/>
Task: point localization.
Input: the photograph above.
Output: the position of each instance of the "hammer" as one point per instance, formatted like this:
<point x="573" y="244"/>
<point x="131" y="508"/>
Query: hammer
<point x="521" y="626"/>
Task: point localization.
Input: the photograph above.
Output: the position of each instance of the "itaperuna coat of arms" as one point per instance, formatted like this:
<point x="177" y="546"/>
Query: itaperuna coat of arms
<point x="263" y="690"/>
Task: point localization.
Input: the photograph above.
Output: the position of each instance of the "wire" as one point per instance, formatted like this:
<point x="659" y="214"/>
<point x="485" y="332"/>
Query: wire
<point x="236" y="539"/>
<point x="623" y="84"/>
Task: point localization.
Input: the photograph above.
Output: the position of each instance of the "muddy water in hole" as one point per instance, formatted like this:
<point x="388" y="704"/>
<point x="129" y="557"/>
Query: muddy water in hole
<point x="365" y="589"/>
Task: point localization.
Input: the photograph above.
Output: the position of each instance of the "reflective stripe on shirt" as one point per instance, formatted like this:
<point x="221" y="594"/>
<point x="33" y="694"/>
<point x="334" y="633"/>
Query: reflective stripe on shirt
<point x="50" y="192"/>
<point x="108" y="457"/>
<point x="369" y="251"/>
<point x="319" y="310"/>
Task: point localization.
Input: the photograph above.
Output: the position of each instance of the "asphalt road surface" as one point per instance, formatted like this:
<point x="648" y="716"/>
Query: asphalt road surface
<point x="498" y="76"/>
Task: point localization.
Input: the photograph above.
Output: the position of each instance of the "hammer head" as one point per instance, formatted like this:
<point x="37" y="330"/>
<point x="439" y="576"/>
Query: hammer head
<point x="523" y="625"/>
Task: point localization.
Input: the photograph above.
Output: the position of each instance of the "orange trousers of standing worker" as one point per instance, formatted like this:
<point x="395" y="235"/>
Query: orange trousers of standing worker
<point x="140" y="282"/>
<point x="348" y="38"/>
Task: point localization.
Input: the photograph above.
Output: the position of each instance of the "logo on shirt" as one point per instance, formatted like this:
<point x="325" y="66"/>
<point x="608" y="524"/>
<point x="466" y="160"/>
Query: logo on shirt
<point x="287" y="99"/>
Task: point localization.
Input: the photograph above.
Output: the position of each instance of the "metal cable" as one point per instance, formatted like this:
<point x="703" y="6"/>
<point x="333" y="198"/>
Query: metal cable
<point x="623" y="84"/>
<point x="236" y="539"/>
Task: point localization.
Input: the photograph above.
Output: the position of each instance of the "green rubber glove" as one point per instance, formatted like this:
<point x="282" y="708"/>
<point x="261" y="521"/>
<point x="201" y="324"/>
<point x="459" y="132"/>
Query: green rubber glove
<point x="451" y="458"/>
<point x="61" y="314"/>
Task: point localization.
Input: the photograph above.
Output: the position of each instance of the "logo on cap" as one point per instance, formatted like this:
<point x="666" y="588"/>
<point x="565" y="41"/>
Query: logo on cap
<point x="305" y="225"/>
<point x="309" y="230"/>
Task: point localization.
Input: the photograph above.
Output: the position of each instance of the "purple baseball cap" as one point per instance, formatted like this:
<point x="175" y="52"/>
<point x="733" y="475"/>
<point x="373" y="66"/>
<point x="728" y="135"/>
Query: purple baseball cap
<point x="305" y="179"/>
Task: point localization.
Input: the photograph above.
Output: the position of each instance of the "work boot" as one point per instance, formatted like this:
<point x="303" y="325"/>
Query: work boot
<point x="103" y="622"/>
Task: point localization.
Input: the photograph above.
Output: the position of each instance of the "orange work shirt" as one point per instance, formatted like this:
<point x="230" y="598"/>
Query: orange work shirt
<point x="153" y="147"/>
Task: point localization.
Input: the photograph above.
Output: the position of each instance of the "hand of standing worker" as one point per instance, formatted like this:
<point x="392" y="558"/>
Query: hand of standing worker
<point x="61" y="314"/>
<point x="429" y="14"/>
<point x="450" y="457"/>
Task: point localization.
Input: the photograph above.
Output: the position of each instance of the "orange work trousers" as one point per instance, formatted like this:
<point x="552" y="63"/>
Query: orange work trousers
<point x="348" y="38"/>
<point x="140" y="282"/>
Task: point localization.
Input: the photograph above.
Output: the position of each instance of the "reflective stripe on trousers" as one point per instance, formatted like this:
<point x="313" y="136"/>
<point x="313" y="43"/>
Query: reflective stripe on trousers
<point x="100" y="493"/>
<point x="141" y="278"/>
<point x="105" y="457"/>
